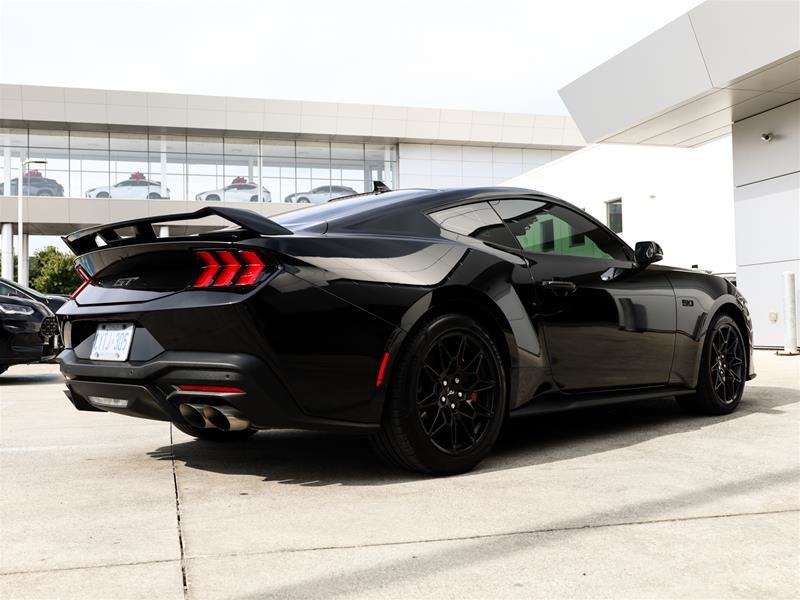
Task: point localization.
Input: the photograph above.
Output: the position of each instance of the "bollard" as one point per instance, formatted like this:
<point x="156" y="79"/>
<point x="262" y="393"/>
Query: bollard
<point x="790" y="315"/>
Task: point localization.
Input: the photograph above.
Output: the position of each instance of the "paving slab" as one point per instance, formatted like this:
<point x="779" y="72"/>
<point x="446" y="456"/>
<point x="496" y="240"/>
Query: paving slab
<point x="629" y="501"/>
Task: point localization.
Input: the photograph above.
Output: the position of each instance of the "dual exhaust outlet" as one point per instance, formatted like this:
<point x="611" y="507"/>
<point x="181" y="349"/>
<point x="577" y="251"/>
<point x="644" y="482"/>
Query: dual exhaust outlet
<point x="205" y="416"/>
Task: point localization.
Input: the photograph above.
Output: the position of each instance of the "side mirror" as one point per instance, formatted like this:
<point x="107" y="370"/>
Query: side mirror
<point x="648" y="252"/>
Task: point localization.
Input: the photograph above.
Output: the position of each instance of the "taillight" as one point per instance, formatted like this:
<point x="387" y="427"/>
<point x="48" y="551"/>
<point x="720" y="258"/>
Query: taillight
<point x="226" y="268"/>
<point x="85" y="280"/>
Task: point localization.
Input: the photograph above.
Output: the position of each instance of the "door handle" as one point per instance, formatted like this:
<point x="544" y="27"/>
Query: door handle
<point x="559" y="287"/>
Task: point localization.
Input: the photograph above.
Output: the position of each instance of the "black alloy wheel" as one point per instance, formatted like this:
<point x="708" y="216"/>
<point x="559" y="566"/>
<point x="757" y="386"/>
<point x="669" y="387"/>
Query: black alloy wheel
<point x="446" y="399"/>
<point x="103" y="195"/>
<point x="154" y="196"/>
<point x="456" y="391"/>
<point x="723" y="370"/>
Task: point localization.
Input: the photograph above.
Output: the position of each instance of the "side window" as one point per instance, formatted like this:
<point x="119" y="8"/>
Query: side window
<point x="541" y="227"/>
<point x="476" y="220"/>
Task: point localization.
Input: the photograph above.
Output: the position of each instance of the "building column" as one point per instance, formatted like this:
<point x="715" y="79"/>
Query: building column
<point x="23" y="263"/>
<point x="7" y="242"/>
<point x="766" y="172"/>
<point x="6" y="164"/>
<point x="163" y="166"/>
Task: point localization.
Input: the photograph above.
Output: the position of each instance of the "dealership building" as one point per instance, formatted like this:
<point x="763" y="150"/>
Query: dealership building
<point x="115" y="155"/>
<point x="723" y="69"/>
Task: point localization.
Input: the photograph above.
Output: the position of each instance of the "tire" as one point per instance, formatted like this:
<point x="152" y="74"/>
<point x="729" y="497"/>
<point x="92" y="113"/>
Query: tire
<point x="448" y="369"/>
<point x="45" y="193"/>
<point x="303" y="200"/>
<point x="215" y="435"/>
<point x="723" y="370"/>
<point x="154" y="196"/>
<point x="253" y="198"/>
<point x="212" y="198"/>
<point x="103" y="195"/>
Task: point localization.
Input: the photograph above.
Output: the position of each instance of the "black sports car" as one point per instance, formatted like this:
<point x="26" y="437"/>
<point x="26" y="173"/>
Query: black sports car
<point x="421" y="317"/>
<point x="11" y="288"/>
<point x="28" y="332"/>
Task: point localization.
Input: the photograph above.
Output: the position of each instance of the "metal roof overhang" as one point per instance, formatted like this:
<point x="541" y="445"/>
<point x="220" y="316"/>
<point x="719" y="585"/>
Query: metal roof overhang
<point x="685" y="84"/>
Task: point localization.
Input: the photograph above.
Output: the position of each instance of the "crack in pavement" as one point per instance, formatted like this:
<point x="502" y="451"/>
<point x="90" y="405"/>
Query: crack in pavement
<point x="406" y="542"/>
<point x="178" y="514"/>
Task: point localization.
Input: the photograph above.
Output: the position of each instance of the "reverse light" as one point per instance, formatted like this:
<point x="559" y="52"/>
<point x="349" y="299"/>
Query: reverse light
<point x="213" y="389"/>
<point x="85" y="280"/>
<point x="225" y="268"/>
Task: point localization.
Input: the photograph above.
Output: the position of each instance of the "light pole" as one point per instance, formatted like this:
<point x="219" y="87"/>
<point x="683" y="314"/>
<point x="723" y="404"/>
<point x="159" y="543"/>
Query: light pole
<point x="20" y="181"/>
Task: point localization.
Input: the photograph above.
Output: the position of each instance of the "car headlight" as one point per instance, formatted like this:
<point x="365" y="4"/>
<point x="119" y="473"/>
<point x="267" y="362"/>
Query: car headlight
<point x="15" y="309"/>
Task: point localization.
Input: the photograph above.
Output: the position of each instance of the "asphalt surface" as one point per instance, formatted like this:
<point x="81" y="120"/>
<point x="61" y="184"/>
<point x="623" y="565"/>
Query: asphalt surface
<point x="625" y="502"/>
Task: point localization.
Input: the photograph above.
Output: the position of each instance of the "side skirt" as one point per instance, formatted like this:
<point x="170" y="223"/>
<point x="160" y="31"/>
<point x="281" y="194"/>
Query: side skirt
<point x="561" y="402"/>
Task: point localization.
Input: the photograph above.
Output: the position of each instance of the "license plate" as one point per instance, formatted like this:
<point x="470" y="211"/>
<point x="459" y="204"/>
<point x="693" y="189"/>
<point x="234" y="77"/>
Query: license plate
<point x="112" y="341"/>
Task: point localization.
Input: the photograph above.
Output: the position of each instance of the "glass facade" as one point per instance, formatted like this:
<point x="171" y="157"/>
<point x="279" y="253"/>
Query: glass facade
<point x="154" y="165"/>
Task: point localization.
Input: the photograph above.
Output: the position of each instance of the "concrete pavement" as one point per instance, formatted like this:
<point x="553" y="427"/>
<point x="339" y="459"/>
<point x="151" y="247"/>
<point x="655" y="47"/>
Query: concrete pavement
<point x="630" y="501"/>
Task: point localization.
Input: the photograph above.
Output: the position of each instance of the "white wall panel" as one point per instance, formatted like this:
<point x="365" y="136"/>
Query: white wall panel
<point x="741" y="36"/>
<point x="768" y="220"/>
<point x="762" y="285"/>
<point x="753" y="158"/>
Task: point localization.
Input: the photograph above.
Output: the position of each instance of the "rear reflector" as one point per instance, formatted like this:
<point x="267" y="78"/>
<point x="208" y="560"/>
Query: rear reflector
<point x="85" y="280"/>
<point x="224" y="268"/>
<point x="214" y="389"/>
<point x="382" y="369"/>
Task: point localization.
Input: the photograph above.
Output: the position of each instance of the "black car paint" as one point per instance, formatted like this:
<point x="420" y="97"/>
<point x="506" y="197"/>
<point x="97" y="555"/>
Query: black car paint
<point x="53" y="301"/>
<point x="30" y="338"/>
<point x="357" y="277"/>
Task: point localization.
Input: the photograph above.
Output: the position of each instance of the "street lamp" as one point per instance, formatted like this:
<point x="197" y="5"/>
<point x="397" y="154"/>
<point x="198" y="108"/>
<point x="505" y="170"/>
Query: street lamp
<point x="22" y="280"/>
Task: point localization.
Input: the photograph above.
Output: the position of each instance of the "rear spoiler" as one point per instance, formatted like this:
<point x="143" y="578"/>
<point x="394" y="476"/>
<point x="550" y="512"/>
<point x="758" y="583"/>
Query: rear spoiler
<point x="85" y="240"/>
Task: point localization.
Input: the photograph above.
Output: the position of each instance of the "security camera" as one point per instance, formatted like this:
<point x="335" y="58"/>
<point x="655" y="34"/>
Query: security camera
<point x="767" y="137"/>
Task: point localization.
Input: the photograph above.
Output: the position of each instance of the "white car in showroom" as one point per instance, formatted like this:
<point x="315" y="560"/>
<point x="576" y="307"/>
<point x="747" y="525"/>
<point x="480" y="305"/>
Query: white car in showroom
<point x="323" y="193"/>
<point x="240" y="190"/>
<point x="137" y="186"/>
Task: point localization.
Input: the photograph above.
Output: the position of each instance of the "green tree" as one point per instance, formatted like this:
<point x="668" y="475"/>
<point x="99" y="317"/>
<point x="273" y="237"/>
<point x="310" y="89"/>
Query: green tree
<point x="53" y="272"/>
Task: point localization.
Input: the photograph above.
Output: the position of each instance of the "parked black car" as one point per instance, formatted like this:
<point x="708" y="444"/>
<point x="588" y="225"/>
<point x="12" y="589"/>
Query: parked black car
<point x="421" y="317"/>
<point x="28" y="332"/>
<point x="11" y="288"/>
<point x="35" y="185"/>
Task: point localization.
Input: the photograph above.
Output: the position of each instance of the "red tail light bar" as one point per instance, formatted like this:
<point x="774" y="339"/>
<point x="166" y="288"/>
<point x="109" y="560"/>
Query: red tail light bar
<point x="85" y="280"/>
<point x="224" y="268"/>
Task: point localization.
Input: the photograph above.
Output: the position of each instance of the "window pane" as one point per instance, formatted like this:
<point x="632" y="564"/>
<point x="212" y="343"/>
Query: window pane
<point x="614" y="215"/>
<point x="48" y="139"/>
<point x="548" y="228"/>
<point x="475" y="220"/>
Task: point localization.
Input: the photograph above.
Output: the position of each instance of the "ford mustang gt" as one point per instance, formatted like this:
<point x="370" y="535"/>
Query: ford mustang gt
<point x="424" y="318"/>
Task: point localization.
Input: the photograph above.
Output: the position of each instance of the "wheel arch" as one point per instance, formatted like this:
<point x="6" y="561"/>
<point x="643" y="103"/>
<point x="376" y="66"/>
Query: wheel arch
<point x="467" y="301"/>
<point x="726" y="305"/>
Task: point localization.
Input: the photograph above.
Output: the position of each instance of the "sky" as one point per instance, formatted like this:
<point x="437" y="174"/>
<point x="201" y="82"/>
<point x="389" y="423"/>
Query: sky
<point x="500" y="55"/>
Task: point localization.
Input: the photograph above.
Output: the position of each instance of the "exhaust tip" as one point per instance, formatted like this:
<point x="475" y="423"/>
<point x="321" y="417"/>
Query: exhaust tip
<point x="225" y="418"/>
<point x="193" y="413"/>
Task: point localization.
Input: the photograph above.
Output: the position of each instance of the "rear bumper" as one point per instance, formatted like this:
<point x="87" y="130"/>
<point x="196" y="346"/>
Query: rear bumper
<point x="150" y="388"/>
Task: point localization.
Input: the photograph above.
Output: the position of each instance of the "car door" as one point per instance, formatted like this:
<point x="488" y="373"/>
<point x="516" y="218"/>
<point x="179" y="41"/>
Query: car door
<point x="607" y="323"/>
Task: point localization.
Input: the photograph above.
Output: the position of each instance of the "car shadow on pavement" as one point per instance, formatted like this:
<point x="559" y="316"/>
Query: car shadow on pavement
<point x="319" y="459"/>
<point x="30" y="378"/>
